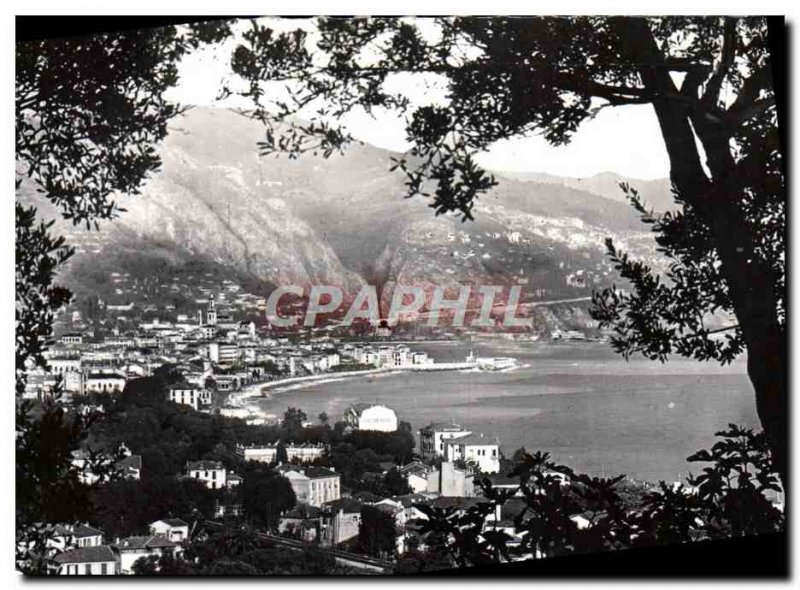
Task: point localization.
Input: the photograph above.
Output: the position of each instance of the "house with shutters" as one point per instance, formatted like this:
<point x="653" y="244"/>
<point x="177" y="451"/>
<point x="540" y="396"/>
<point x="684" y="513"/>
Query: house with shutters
<point x="483" y="452"/>
<point x="212" y="473"/>
<point x="85" y="561"/>
<point x="190" y="395"/>
<point x="82" y="535"/>
<point x="110" y="382"/>
<point x="134" y="548"/>
<point x="432" y="438"/>
<point x="313" y="485"/>
<point x="268" y="453"/>
<point x="416" y="474"/>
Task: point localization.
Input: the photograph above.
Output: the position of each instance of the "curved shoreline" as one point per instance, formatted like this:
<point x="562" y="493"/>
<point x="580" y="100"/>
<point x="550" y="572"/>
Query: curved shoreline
<point x="343" y="375"/>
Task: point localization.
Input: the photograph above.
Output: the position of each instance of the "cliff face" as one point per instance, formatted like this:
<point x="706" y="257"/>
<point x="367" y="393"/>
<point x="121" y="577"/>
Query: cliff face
<point x="344" y="221"/>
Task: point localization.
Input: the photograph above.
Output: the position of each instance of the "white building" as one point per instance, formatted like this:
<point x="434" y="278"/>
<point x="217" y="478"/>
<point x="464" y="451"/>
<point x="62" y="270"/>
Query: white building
<point x="86" y="561"/>
<point x="417" y="474"/>
<point x="451" y="481"/>
<point x="432" y="438"/>
<point x="63" y="365"/>
<point x="339" y="521"/>
<point x="211" y="473"/>
<point x="314" y="485"/>
<point x="174" y="529"/>
<point x="476" y="449"/>
<point x="82" y="535"/>
<point x="134" y="548"/>
<point x="189" y="395"/>
<point x="223" y="353"/>
<point x="208" y="332"/>
<point x="305" y="452"/>
<point x="104" y="383"/>
<point x="211" y="313"/>
<point x="72" y="339"/>
<point x="371" y="417"/>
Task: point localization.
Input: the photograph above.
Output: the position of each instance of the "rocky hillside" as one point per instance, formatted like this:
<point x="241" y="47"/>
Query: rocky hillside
<point x="345" y="221"/>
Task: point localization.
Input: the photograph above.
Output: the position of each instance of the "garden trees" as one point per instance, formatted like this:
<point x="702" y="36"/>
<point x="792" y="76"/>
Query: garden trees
<point x="398" y="445"/>
<point x="240" y="550"/>
<point x="709" y="82"/>
<point x="562" y="512"/>
<point x="265" y="496"/>
<point x="127" y="507"/>
<point x="293" y="420"/>
<point x="394" y="483"/>
<point x="89" y="113"/>
<point x="377" y="532"/>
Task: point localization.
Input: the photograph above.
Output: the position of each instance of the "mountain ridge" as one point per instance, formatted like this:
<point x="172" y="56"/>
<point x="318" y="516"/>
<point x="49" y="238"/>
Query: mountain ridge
<point x="345" y="220"/>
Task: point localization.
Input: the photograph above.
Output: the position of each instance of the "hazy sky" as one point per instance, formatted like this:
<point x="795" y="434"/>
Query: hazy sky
<point x="625" y="140"/>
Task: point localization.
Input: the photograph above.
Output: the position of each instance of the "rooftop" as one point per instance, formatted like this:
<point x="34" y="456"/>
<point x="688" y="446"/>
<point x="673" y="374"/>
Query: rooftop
<point x="415" y="467"/>
<point x="349" y="505"/>
<point x="173" y="522"/>
<point x="499" y="479"/>
<point x="100" y="553"/>
<point x="84" y="530"/>
<point x="457" y="502"/>
<point x="317" y="472"/>
<point x="106" y="376"/>
<point x="144" y="542"/>
<point x="203" y="465"/>
<point x="474" y="439"/>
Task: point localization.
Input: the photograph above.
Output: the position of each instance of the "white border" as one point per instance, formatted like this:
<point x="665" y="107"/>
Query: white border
<point x="309" y="7"/>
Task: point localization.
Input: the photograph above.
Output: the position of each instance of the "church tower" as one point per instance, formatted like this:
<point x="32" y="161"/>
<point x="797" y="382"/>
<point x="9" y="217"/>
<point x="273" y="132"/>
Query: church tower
<point x="211" y="313"/>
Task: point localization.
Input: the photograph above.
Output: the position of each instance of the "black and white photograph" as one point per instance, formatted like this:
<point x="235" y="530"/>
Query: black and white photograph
<point x="401" y="295"/>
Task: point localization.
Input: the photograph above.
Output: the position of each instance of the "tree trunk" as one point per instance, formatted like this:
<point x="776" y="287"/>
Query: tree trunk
<point x="718" y="201"/>
<point x="752" y="291"/>
<point x="766" y="367"/>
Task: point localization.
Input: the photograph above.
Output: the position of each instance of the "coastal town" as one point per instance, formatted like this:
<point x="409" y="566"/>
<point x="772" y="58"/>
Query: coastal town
<point x="222" y="358"/>
<point x="357" y="489"/>
<point x="336" y="484"/>
<point x="218" y="367"/>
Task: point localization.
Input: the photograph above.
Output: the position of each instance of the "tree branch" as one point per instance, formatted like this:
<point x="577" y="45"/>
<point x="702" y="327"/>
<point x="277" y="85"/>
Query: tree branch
<point x="693" y="80"/>
<point x="711" y="95"/>
<point x="741" y="115"/>
<point x="725" y="329"/>
<point x="751" y="88"/>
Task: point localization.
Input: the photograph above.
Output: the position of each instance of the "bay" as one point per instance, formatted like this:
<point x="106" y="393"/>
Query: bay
<point x="588" y="407"/>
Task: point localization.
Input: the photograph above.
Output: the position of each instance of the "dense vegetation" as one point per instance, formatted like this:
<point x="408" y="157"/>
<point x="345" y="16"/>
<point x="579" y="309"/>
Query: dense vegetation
<point x="89" y="113"/>
<point x="168" y="435"/>
<point x="239" y="551"/>
<point x="561" y="512"/>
